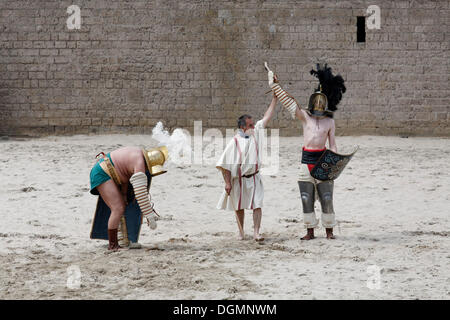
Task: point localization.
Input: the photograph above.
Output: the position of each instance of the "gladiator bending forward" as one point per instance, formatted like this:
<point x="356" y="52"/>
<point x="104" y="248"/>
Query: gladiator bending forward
<point x="110" y="178"/>
<point x="318" y="127"/>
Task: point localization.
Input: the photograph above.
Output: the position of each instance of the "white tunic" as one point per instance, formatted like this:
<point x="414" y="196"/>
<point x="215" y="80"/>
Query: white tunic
<point x="242" y="157"/>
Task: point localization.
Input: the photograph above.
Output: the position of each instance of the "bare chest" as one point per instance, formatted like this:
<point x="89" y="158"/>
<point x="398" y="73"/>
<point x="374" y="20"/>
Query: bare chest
<point x="317" y="127"/>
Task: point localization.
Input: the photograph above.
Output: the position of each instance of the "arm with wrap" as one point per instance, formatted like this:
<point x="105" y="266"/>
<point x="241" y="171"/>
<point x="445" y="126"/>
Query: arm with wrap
<point x="139" y="183"/>
<point x="288" y="102"/>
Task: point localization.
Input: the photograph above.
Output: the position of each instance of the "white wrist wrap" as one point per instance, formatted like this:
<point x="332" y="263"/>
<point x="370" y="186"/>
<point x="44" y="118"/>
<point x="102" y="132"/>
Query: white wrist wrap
<point x="139" y="183"/>
<point x="287" y="102"/>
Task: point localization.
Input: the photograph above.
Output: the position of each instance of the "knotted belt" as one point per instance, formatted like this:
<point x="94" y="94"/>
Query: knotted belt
<point x="109" y="169"/>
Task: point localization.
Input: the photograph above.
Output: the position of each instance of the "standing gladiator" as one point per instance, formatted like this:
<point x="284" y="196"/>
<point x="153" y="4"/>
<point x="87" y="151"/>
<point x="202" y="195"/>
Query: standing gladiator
<point x="318" y="127"/>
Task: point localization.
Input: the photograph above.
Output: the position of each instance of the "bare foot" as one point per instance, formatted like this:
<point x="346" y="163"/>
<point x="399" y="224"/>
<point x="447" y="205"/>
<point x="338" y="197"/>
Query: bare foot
<point x="309" y="235"/>
<point x="258" y="237"/>
<point x="330" y="233"/>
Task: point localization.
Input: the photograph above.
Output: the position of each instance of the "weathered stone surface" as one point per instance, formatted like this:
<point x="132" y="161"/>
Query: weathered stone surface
<point x="133" y="63"/>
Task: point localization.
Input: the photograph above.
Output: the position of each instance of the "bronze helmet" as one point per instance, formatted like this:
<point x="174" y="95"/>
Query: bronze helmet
<point x="318" y="104"/>
<point x="155" y="158"/>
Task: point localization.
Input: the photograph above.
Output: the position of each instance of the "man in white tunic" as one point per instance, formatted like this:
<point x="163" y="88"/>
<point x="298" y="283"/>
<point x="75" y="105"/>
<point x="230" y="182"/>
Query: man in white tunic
<point x="240" y="164"/>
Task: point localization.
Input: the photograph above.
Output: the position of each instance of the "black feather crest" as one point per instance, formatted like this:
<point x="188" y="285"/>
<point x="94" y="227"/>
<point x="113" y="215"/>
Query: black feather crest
<point x="332" y="86"/>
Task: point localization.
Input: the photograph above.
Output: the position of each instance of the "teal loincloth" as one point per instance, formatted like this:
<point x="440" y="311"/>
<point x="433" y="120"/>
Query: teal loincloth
<point x="98" y="176"/>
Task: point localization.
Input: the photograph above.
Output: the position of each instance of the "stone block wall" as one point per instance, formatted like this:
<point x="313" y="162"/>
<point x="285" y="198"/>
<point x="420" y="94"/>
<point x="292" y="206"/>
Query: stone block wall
<point x="134" y="63"/>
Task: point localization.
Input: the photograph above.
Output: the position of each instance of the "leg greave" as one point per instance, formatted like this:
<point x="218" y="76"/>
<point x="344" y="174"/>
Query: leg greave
<point x="307" y="194"/>
<point x="325" y="191"/>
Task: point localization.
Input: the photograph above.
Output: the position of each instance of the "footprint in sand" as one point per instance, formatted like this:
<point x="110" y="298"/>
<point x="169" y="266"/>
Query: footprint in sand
<point x="427" y="233"/>
<point x="34" y="223"/>
<point x="28" y="189"/>
<point x="290" y="220"/>
<point x="166" y="217"/>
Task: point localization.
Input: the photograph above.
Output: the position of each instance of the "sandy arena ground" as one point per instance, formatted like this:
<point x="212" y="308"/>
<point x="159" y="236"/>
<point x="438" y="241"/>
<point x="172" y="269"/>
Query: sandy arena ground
<point x="392" y="203"/>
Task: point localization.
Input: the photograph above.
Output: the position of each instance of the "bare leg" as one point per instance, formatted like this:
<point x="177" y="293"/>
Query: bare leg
<point x="240" y="221"/>
<point x="257" y="216"/>
<point x="113" y="199"/>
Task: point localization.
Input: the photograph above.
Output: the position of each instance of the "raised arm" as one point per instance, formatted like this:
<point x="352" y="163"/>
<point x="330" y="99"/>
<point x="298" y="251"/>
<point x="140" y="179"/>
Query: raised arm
<point x="286" y="100"/>
<point x="270" y="111"/>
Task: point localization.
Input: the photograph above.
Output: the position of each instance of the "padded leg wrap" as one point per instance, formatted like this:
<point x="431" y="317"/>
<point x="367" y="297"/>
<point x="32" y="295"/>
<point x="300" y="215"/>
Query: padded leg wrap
<point x="310" y="220"/>
<point x="328" y="220"/>
<point x="307" y="194"/>
<point x="139" y="183"/>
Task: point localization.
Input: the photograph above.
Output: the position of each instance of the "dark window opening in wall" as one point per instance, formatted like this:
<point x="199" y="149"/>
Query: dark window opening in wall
<point x="360" y="29"/>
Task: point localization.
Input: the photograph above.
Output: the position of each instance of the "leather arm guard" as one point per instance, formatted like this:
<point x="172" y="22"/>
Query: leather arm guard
<point x="139" y="183"/>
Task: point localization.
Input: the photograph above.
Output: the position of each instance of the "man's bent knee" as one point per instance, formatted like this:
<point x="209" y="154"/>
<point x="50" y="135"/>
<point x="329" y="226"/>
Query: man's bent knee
<point x="118" y="209"/>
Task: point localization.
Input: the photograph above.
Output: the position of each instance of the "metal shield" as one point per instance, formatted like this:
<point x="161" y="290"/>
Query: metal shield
<point x="330" y="165"/>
